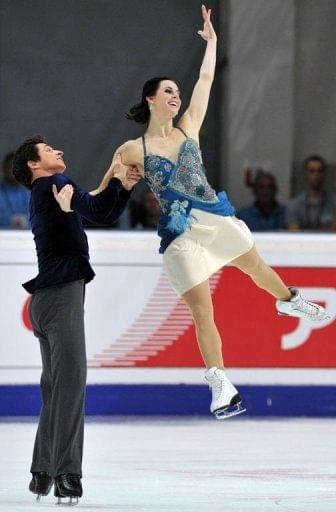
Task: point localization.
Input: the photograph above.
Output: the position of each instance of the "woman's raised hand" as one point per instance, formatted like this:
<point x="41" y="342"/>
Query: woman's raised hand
<point x="208" y="32"/>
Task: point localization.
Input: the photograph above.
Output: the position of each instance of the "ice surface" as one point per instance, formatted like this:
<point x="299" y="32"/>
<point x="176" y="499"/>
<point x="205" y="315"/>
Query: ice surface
<point x="186" y="465"/>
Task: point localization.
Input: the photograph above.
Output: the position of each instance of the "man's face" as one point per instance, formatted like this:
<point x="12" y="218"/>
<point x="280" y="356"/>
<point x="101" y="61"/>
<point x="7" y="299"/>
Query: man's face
<point x="51" y="160"/>
<point x="315" y="173"/>
<point x="265" y="190"/>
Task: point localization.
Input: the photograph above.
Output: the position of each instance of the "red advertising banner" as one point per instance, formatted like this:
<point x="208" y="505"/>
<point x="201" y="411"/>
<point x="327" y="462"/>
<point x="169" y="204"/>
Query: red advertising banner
<point x="253" y="334"/>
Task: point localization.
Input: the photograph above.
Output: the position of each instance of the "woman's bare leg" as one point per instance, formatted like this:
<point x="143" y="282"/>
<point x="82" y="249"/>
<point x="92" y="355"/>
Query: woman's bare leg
<point x="263" y="275"/>
<point x="199" y="300"/>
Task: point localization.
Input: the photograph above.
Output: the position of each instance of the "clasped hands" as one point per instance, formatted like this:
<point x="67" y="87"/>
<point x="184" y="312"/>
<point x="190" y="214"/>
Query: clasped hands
<point x="127" y="174"/>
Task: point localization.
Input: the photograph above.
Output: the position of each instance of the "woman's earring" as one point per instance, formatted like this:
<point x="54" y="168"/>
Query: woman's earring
<point x="150" y="106"/>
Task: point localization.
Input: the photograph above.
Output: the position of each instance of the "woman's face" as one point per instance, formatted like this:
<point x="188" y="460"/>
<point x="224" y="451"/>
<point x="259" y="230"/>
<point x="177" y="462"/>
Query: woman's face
<point x="167" y="99"/>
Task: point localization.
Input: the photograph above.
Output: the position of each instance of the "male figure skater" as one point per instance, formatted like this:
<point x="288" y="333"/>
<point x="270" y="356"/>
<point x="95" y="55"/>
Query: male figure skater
<point x="56" y="308"/>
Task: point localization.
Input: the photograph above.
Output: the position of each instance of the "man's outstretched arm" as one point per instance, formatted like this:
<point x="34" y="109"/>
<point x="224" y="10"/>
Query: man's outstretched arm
<point x="106" y="206"/>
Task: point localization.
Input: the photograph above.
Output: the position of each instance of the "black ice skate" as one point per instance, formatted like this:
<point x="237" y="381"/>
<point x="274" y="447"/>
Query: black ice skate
<point x="226" y="401"/>
<point x="40" y="484"/>
<point x="68" y="486"/>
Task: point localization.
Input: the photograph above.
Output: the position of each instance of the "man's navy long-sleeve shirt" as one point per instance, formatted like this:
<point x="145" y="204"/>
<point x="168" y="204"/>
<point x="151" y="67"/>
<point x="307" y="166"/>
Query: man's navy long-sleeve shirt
<point x="61" y="243"/>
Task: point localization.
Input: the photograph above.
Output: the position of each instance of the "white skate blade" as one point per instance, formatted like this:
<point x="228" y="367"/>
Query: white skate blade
<point x="293" y="315"/>
<point x="72" y="501"/>
<point x="39" y="496"/>
<point x="227" y="412"/>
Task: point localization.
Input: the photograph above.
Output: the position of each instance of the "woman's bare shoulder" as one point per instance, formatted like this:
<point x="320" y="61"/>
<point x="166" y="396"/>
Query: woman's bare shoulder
<point x="132" y="144"/>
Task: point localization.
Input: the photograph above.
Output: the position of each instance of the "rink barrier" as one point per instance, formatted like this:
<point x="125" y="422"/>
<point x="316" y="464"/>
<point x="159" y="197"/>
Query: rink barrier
<point x="180" y="399"/>
<point x="140" y="341"/>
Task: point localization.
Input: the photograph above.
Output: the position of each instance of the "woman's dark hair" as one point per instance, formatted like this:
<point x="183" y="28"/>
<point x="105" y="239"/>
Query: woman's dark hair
<point x="140" y="113"/>
<point x="27" y="151"/>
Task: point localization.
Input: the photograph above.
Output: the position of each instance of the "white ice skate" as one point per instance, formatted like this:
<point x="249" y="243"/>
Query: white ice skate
<point x="299" y="307"/>
<point x="226" y="401"/>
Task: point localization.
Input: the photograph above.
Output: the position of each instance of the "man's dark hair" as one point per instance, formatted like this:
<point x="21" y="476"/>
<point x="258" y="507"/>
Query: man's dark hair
<point x="27" y="151"/>
<point x="315" y="158"/>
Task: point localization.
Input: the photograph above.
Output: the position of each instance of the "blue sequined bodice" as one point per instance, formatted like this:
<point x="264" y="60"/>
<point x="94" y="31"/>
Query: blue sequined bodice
<point x="186" y="177"/>
<point x="180" y="187"/>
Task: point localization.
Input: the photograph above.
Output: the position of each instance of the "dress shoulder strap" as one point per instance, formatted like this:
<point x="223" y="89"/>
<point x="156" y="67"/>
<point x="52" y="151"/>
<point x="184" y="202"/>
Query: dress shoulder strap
<point x="184" y="133"/>
<point x="144" y="145"/>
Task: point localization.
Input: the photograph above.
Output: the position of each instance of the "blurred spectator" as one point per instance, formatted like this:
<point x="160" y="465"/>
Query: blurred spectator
<point x="145" y="213"/>
<point x="265" y="214"/>
<point x="314" y="209"/>
<point x="14" y="199"/>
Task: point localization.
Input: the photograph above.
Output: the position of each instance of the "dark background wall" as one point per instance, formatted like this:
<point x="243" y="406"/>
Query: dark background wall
<point x="315" y="86"/>
<point x="70" y="69"/>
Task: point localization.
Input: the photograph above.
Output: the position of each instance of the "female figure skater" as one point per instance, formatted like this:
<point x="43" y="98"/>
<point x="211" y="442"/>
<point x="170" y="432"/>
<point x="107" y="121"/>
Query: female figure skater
<point x="199" y="232"/>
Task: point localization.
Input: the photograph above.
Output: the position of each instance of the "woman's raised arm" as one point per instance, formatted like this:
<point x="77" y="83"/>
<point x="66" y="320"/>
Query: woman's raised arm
<point x="193" y="118"/>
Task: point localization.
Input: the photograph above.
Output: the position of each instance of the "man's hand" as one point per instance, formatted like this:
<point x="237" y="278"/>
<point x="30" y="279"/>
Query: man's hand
<point x="119" y="169"/>
<point x="127" y="174"/>
<point x="63" y="197"/>
<point x="133" y="176"/>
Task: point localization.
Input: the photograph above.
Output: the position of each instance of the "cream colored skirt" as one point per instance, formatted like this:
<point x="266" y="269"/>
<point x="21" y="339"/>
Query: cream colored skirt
<point x="212" y="242"/>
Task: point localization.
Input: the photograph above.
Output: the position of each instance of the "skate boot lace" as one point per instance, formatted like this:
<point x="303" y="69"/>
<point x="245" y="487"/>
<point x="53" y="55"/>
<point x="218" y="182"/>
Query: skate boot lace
<point x="217" y="388"/>
<point x="307" y="307"/>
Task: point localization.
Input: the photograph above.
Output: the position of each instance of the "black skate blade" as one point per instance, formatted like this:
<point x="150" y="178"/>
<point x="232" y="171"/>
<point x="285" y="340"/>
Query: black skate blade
<point x="228" y="412"/>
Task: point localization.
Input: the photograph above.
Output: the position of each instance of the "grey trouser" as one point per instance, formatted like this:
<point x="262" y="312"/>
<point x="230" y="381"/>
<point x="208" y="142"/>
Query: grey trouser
<point x="57" y="316"/>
